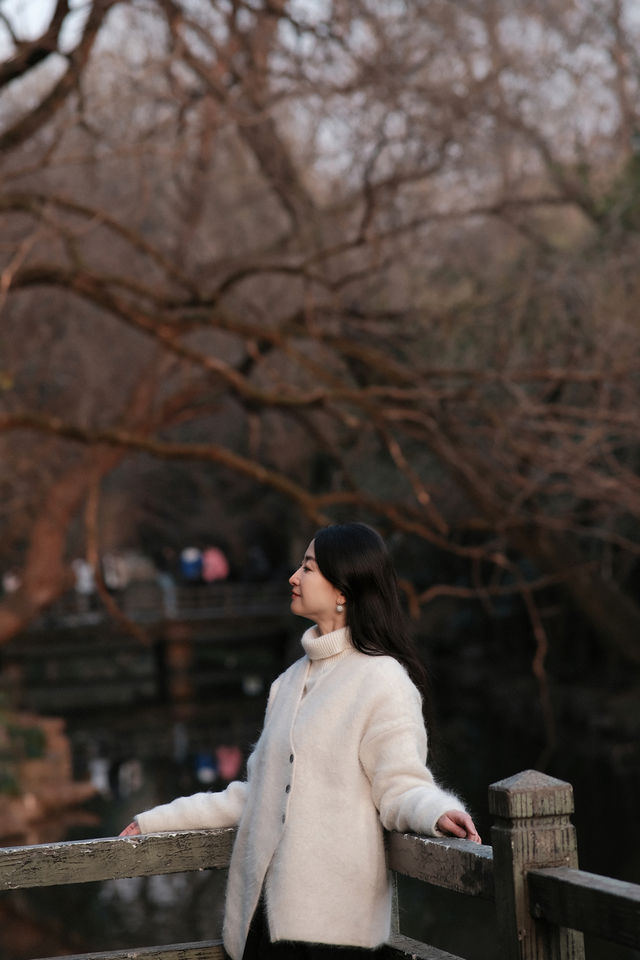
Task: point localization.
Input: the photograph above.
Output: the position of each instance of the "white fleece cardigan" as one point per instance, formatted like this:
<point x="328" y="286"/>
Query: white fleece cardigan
<point x="342" y="755"/>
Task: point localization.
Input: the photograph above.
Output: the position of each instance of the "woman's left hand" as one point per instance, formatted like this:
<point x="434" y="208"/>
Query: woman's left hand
<point x="457" y="823"/>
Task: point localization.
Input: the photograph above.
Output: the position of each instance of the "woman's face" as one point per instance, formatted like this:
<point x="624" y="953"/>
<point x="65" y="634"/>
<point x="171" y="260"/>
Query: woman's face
<point x="312" y="595"/>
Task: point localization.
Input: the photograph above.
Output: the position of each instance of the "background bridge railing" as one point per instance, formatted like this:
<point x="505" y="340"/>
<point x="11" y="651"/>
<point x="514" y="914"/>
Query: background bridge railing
<point x="209" y="638"/>
<point x="153" y="601"/>
<point x="543" y="902"/>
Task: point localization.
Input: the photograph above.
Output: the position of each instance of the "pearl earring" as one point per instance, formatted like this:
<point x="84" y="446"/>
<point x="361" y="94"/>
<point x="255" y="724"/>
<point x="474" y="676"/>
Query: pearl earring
<point x="339" y="608"/>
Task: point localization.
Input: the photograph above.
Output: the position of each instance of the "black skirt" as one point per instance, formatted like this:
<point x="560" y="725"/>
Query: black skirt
<point x="259" y="946"/>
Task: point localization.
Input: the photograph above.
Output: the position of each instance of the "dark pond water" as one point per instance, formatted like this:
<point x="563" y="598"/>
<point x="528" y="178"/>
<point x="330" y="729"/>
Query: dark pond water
<point x="149" y="754"/>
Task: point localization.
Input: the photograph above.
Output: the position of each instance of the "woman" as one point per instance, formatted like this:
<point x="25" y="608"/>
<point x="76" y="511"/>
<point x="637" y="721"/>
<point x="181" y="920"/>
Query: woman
<point x="341" y="756"/>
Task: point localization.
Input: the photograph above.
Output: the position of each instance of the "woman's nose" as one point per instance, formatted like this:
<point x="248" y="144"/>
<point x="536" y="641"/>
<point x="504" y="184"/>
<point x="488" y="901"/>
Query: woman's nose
<point x="293" y="578"/>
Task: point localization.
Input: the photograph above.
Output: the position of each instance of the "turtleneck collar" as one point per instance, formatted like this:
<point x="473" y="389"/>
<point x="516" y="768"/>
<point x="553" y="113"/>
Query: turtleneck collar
<point x="320" y="646"/>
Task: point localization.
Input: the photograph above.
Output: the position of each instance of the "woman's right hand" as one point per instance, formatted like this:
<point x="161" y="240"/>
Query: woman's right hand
<point x="457" y="823"/>
<point x="133" y="830"/>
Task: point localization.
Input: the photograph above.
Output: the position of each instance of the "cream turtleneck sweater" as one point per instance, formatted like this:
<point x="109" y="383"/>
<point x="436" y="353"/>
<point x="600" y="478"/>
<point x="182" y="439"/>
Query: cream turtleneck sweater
<point x="324" y="652"/>
<point x="341" y="756"/>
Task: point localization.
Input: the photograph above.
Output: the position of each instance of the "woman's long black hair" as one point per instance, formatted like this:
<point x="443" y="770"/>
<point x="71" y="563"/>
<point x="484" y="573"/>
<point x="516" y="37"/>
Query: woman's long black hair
<point x="354" y="558"/>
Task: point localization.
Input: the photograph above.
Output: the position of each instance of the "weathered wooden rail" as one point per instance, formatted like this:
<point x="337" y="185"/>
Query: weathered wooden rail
<point x="543" y="902"/>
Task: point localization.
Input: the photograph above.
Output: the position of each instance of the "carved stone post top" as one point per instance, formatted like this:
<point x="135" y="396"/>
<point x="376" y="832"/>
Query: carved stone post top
<point x="530" y="794"/>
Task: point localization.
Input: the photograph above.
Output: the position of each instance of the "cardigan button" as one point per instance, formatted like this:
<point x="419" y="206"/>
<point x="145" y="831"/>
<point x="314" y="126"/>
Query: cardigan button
<point x="283" y="818"/>
<point x="287" y="788"/>
<point x="291" y="758"/>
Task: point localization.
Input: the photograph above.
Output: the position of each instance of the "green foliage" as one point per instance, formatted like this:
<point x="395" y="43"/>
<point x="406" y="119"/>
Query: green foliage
<point x="620" y="206"/>
<point x="18" y="742"/>
<point x="27" y="742"/>
<point x="9" y="785"/>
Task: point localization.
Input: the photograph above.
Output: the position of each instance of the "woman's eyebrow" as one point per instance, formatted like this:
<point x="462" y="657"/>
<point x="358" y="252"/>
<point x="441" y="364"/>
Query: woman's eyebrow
<point x="308" y="557"/>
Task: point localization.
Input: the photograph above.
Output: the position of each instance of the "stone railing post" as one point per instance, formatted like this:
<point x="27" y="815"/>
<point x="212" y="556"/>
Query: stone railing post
<point x="532" y="830"/>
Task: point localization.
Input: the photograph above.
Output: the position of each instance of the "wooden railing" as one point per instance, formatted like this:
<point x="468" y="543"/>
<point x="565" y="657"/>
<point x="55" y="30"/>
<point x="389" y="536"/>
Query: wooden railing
<point x="146" y="602"/>
<point x="543" y="902"/>
<point x="220" y="636"/>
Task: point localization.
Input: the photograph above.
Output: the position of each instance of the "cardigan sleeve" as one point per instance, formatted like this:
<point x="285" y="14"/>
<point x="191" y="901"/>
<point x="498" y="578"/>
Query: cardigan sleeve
<point x="203" y="810"/>
<point x="393" y="752"/>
